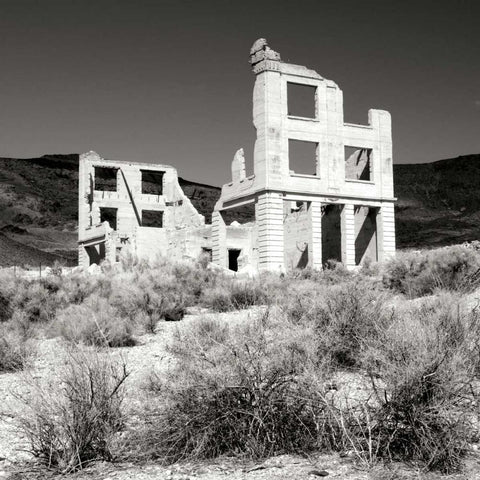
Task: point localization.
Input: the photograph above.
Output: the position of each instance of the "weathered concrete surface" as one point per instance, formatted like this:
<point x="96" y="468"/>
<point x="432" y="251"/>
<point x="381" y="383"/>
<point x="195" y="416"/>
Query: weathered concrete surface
<point x="364" y="179"/>
<point x="136" y="191"/>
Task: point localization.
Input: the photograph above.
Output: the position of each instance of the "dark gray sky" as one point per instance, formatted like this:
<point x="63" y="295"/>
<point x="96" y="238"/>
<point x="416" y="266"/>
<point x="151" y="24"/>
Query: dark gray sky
<point x="169" y="81"/>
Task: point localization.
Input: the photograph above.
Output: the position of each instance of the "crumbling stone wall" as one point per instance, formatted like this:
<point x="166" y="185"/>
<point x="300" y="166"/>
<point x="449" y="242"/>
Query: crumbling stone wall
<point x="136" y="192"/>
<point x="350" y="183"/>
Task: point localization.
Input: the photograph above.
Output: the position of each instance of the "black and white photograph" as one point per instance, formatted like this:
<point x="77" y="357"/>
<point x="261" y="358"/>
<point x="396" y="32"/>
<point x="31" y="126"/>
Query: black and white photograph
<point x="239" y="239"/>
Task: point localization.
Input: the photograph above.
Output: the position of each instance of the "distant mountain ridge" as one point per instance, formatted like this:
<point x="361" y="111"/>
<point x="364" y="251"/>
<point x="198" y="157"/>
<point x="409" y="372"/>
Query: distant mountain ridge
<point x="438" y="204"/>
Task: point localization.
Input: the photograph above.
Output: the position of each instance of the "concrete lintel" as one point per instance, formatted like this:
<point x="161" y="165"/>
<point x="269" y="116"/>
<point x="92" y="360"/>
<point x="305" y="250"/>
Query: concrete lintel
<point x="241" y="201"/>
<point x="92" y="241"/>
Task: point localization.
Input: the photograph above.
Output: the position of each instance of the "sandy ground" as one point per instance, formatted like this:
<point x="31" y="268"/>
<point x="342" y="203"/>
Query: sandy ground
<point x="17" y="464"/>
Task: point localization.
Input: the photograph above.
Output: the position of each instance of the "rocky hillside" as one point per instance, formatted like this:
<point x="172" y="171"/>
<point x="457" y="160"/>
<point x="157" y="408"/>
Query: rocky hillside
<point x="438" y="204"/>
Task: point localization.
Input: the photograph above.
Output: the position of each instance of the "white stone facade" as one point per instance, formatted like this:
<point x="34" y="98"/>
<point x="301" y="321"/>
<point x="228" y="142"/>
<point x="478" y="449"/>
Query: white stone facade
<point x="143" y="208"/>
<point x="342" y="208"/>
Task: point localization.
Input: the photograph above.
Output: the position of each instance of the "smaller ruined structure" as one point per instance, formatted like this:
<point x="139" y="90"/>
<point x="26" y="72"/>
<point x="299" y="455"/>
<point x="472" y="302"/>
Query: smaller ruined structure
<point x="338" y="205"/>
<point x="135" y="206"/>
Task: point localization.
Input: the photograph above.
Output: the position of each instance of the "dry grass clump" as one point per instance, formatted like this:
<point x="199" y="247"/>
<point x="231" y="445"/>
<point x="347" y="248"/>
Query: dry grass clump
<point x="455" y="268"/>
<point x="234" y="389"/>
<point x="333" y="273"/>
<point x="343" y="317"/>
<point x="427" y="361"/>
<point x="233" y="294"/>
<point x="94" y="322"/>
<point x="15" y="350"/>
<point x="73" y="420"/>
<point x="349" y="316"/>
<point x="106" y="308"/>
<point x="7" y="289"/>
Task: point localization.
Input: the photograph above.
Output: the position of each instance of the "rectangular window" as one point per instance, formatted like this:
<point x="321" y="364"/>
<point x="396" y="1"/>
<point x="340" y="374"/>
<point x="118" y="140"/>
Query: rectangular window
<point x="358" y="163"/>
<point x="152" y="218"/>
<point x="105" y="179"/>
<point x="302" y="157"/>
<point x="152" y="182"/>
<point x="301" y="100"/>
<point x="109" y="215"/>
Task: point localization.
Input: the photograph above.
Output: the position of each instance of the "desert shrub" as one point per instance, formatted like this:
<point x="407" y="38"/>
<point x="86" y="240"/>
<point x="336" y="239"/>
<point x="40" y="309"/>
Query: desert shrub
<point x="427" y="361"/>
<point x="94" y="322"/>
<point x="14" y="349"/>
<point x="5" y="308"/>
<point x="35" y="300"/>
<point x="72" y="421"/>
<point x="152" y="294"/>
<point x="7" y="289"/>
<point x="333" y="273"/>
<point x="343" y="316"/>
<point x="235" y="388"/>
<point x="349" y="316"/>
<point x="454" y="268"/>
<point x="233" y="294"/>
<point x="76" y="287"/>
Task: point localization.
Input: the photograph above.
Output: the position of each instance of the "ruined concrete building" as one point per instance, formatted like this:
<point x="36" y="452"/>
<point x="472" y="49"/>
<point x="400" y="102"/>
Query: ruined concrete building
<point x="338" y="204"/>
<point x="135" y="206"/>
<point x="338" y="207"/>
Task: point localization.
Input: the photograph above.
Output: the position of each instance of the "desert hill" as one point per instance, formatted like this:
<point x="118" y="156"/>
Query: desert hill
<point x="438" y="204"/>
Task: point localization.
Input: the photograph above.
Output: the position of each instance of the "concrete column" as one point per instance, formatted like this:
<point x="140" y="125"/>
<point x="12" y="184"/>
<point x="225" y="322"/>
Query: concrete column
<point x="110" y="247"/>
<point x="219" y="240"/>
<point x="82" y="257"/>
<point x="386" y="231"/>
<point x="269" y="218"/>
<point x="348" y="235"/>
<point x="315" y="214"/>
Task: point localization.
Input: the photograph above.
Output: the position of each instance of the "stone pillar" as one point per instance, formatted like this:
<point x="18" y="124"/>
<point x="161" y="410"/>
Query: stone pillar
<point x="83" y="261"/>
<point x="386" y="231"/>
<point x="315" y="214"/>
<point x="269" y="218"/>
<point x="110" y="246"/>
<point x="348" y="235"/>
<point x="381" y="122"/>
<point x="219" y="240"/>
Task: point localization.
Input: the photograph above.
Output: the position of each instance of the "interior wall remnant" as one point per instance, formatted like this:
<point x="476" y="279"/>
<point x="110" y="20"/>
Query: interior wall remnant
<point x="152" y="218"/>
<point x="302" y="157"/>
<point x="105" y="179"/>
<point x="238" y="166"/>
<point x="365" y="234"/>
<point x="152" y="182"/>
<point x="240" y="233"/>
<point x="297" y="234"/>
<point x="109" y="215"/>
<point x="358" y="163"/>
<point x="96" y="253"/>
<point x="331" y="233"/>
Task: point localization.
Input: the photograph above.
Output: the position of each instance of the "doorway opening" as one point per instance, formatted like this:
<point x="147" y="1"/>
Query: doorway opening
<point x="331" y="233"/>
<point x="233" y="254"/>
